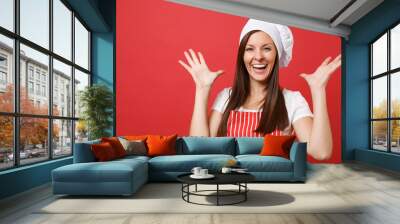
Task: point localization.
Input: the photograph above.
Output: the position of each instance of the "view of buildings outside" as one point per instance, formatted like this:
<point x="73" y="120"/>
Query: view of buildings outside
<point x="34" y="80"/>
<point x="379" y="128"/>
<point x="34" y="99"/>
<point x="380" y="90"/>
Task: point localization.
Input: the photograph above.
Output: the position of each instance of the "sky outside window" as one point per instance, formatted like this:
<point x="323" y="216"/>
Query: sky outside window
<point x="379" y="56"/>
<point x="62" y="29"/>
<point x="81" y="45"/>
<point x="35" y="21"/>
<point x="7" y="14"/>
<point x="35" y="27"/>
<point x="395" y="47"/>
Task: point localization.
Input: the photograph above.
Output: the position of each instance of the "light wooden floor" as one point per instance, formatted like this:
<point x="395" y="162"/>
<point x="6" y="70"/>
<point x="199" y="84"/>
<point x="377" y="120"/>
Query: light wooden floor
<point x="378" y="188"/>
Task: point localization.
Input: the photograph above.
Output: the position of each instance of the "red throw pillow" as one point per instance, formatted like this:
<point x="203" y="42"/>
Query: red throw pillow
<point x="161" y="145"/>
<point x="277" y="145"/>
<point x="103" y="151"/>
<point x="116" y="145"/>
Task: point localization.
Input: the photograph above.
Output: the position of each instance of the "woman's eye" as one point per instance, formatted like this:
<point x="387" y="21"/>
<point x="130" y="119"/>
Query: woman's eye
<point x="267" y="49"/>
<point x="249" y="49"/>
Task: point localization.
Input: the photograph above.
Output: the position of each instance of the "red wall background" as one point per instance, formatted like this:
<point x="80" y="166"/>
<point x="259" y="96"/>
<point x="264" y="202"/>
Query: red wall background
<point x="155" y="95"/>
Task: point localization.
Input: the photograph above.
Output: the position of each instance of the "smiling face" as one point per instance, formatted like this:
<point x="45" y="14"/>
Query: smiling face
<point x="259" y="56"/>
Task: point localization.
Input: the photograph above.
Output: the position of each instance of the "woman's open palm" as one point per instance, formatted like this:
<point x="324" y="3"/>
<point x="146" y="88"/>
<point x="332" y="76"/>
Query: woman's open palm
<point x="199" y="70"/>
<point x="321" y="75"/>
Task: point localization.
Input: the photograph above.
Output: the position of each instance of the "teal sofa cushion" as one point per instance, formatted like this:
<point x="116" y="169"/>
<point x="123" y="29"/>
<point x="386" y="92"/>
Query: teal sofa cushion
<point x="93" y="172"/>
<point x="130" y="158"/>
<point x="185" y="163"/>
<point x="257" y="163"/>
<point x="249" y="145"/>
<point x="111" y="171"/>
<point x="206" y="145"/>
<point x="118" y="177"/>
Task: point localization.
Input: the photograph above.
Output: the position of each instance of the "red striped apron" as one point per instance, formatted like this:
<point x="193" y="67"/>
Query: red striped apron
<point x="243" y="124"/>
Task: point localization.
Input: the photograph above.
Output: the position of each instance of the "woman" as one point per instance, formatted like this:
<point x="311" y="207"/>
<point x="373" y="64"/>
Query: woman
<point x="256" y="105"/>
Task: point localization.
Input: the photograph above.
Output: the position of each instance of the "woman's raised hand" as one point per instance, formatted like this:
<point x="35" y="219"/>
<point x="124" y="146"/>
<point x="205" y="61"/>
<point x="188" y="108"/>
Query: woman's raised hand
<point x="321" y="75"/>
<point x="198" y="68"/>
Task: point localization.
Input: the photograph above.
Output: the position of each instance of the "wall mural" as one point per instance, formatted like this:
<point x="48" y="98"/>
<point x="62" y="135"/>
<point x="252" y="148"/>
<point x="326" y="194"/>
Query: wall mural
<point x="191" y="71"/>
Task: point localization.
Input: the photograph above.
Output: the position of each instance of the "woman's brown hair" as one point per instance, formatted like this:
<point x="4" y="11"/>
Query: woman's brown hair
<point x="274" y="113"/>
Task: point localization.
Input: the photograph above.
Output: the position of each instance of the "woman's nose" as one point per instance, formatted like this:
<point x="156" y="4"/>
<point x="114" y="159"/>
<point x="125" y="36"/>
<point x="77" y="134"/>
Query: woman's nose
<point x="258" y="55"/>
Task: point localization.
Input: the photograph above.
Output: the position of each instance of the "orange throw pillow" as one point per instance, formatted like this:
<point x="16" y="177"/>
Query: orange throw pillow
<point x="116" y="145"/>
<point x="103" y="151"/>
<point x="159" y="145"/>
<point x="277" y="145"/>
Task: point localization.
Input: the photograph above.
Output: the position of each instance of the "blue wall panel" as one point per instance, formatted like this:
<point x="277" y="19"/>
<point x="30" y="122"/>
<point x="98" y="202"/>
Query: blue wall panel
<point x="103" y="60"/>
<point x="377" y="158"/>
<point x="357" y="99"/>
<point x="24" y="178"/>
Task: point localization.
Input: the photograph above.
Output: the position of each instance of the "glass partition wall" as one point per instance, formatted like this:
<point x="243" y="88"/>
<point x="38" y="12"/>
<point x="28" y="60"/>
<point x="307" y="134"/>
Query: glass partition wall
<point x="44" y="64"/>
<point x="385" y="91"/>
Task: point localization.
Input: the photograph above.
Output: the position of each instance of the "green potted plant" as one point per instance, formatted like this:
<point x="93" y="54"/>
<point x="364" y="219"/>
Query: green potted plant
<point x="96" y="102"/>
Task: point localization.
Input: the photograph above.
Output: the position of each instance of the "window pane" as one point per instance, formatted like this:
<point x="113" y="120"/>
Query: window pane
<point x="395" y="47"/>
<point x="35" y="21"/>
<point x="81" y="45"/>
<point x="395" y="136"/>
<point x="33" y="140"/>
<point x="379" y="135"/>
<point x="379" y="97"/>
<point x="62" y="29"/>
<point x="6" y="74"/>
<point x="81" y="81"/>
<point x="34" y="79"/>
<point x="395" y="94"/>
<point x="6" y="142"/>
<point x="7" y="14"/>
<point x="62" y="138"/>
<point x="379" y="55"/>
<point x="81" y="131"/>
<point x="62" y="89"/>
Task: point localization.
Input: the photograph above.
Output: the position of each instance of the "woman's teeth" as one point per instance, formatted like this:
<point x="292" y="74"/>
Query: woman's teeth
<point x="259" y="68"/>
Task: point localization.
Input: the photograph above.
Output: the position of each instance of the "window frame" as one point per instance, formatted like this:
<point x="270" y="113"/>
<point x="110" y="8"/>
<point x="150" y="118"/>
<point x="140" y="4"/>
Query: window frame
<point x="388" y="74"/>
<point x="16" y="114"/>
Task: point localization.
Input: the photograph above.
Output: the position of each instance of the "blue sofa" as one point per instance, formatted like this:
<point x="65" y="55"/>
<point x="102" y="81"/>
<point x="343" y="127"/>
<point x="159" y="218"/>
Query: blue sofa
<point x="126" y="175"/>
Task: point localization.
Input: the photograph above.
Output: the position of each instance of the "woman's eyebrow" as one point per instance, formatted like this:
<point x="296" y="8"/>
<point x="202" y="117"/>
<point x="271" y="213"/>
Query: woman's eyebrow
<point x="261" y="46"/>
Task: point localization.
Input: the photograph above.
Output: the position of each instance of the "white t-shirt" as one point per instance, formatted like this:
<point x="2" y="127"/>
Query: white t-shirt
<point x="296" y="106"/>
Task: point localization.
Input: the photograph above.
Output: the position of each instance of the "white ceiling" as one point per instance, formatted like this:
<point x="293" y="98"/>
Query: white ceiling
<point x="327" y="16"/>
<point x="321" y="9"/>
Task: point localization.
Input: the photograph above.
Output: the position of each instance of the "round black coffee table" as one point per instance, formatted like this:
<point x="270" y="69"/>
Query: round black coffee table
<point x="238" y="179"/>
